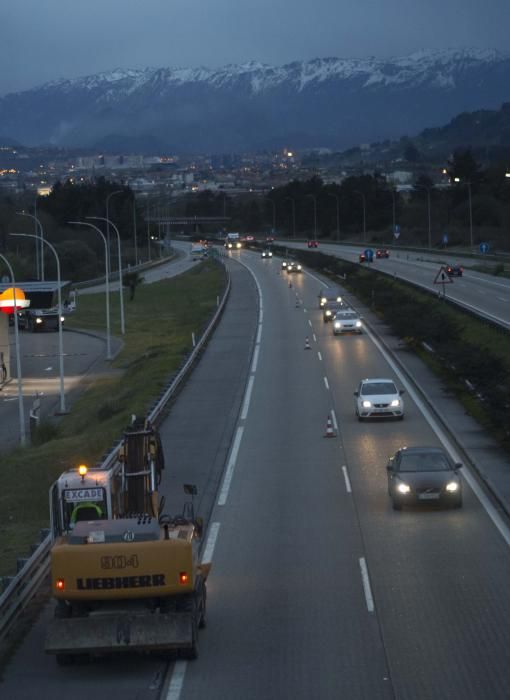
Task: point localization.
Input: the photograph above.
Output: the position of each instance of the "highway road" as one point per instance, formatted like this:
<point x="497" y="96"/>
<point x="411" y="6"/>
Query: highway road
<point x="486" y="294"/>
<point x="318" y="588"/>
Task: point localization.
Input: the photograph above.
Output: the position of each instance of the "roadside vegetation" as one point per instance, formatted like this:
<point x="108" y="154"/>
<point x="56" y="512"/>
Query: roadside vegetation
<point x="160" y="321"/>
<point x="470" y="355"/>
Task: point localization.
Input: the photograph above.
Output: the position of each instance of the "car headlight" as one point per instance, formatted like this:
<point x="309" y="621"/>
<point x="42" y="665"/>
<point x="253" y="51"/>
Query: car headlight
<point x="339" y="299"/>
<point x="62" y="319"/>
<point x="452" y="486"/>
<point x="38" y="320"/>
<point x="403" y="488"/>
<point x="358" y="324"/>
<point x="299" y="267"/>
<point x="238" y="245"/>
<point x="367" y="404"/>
<point x="328" y="313"/>
<point x="323" y="300"/>
<point x="337" y="324"/>
<point x="395" y="402"/>
<point x="270" y="255"/>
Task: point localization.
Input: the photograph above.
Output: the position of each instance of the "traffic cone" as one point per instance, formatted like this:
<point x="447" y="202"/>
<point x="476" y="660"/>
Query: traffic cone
<point x="307" y="344"/>
<point x="329" y="429"/>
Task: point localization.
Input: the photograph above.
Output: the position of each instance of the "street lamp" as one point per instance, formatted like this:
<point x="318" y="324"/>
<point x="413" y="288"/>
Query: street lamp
<point x="364" y="214"/>
<point x="121" y="286"/>
<point x="108" y="226"/>
<point x="314" y="214"/>
<point x="424" y="187"/>
<point x="134" y="229"/>
<point x="22" y="433"/>
<point x="107" y="282"/>
<point x="274" y="213"/>
<point x="59" y="303"/>
<point x="332" y="194"/>
<point x="293" y="202"/>
<point x="468" y="184"/>
<point x="40" y="237"/>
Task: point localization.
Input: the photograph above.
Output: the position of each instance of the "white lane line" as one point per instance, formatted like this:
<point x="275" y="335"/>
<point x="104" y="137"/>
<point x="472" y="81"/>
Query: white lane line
<point x="502" y="299"/>
<point x="247" y="398"/>
<point x="211" y="543"/>
<point x="175" y="687"/>
<point x="347" y="480"/>
<point x="314" y="338"/>
<point x="230" y="467"/>
<point x="333" y="419"/>
<point x="309" y="323"/>
<point x="261" y="313"/>
<point x="319" y="355"/>
<point x="305" y="311"/>
<point x="259" y="334"/>
<point x="326" y="383"/>
<point x="255" y="359"/>
<point x="366" y="584"/>
<point x="448" y="445"/>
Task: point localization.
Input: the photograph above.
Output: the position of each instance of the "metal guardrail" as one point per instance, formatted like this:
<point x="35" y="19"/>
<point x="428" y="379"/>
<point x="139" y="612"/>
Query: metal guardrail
<point x="23" y="586"/>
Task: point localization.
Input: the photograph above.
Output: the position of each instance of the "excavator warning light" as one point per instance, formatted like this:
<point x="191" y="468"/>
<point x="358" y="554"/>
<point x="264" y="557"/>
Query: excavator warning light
<point x="82" y="470"/>
<point x="183" y="578"/>
<point x="60" y="584"/>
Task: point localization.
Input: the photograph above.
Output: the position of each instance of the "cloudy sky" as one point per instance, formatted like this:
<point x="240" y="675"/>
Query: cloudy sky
<point x="42" y="40"/>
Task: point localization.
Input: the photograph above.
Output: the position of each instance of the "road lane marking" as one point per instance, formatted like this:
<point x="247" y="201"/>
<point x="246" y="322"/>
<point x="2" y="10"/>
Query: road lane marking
<point x="333" y="419"/>
<point x="259" y="334"/>
<point x="319" y="355"/>
<point x="314" y="338"/>
<point x="255" y="359"/>
<point x="207" y="556"/>
<point x="309" y="323"/>
<point x="230" y="467"/>
<point x="366" y="584"/>
<point x="347" y="480"/>
<point x="247" y="398"/>
<point x="326" y="383"/>
<point x="175" y="687"/>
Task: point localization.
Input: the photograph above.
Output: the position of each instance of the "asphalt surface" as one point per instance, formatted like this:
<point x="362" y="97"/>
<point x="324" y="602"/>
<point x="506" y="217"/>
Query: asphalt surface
<point x="318" y="588"/>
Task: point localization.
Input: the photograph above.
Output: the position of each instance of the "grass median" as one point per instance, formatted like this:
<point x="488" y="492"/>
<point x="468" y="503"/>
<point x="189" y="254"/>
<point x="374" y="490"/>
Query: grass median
<point x="159" y="326"/>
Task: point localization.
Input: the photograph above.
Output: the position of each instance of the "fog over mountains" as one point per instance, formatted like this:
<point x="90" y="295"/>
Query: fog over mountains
<point x="328" y="102"/>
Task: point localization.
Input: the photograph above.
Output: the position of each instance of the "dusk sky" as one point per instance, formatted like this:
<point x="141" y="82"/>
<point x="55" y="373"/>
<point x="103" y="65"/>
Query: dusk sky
<point x="42" y="40"/>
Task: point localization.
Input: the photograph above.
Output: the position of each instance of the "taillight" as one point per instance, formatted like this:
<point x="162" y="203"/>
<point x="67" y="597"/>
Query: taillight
<point x="183" y="578"/>
<point x="60" y="584"/>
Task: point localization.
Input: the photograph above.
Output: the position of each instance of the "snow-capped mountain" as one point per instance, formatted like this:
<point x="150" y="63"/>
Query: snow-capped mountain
<point x="326" y="102"/>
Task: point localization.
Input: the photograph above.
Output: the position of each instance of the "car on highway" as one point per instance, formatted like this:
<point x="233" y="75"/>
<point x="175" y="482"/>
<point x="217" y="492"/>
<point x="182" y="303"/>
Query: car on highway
<point x="454" y="270"/>
<point x="267" y="254"/>
<point x="379" y="398"/>
<point x="330" y="309"/>
<point x="284" y="264"/>
<point x="347" y="321"/>
<point x="313" y="244"/>
<point x="36" y="320"/>
<point x="365" y="257"/>
<point x="293" y="267"/>
<point x="423" y="475"/>
<point x="329" y="294"/>
<point x="382" y="253"/>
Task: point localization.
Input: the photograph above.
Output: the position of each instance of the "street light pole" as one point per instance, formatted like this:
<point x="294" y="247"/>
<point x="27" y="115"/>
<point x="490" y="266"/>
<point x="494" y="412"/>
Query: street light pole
<point x="331" y="194"/>
<point x="134" y="230"/>
<point x="108" y="226"/>
<point x="37" y="239"/>
<point x="107" y="283"/>
<point x="59" y="303"/>
<point x="364" y="214"/>
<point x="121" y="286"/>
<point x="22" y="432"/>
<point x="293" y="202"/>
<point x="314" y="214"/>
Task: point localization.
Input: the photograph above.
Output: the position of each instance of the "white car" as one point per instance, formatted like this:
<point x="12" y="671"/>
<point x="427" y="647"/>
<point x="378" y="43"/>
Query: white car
<point x="267" y="254"/>
<point x="347" y="321"/>
<point x="379" y="398"/>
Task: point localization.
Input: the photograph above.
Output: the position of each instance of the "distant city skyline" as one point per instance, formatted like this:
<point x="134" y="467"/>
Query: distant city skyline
<point x="44" y="41"/>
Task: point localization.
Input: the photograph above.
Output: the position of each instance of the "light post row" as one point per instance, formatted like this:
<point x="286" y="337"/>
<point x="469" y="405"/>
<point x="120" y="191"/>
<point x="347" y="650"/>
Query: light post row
<point x="39" y="239"/>
<point x="21" y="412"/>
<point x="107" y="281"/>
<point x="59" y="304"/>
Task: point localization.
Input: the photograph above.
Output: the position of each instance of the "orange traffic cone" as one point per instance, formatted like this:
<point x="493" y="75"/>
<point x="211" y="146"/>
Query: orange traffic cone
<point x="329" y="429"/>
<point x="307" y="344"/>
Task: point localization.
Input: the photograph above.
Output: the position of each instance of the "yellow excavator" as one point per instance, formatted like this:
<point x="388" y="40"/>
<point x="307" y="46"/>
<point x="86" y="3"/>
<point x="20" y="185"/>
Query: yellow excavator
<point x="125" y="576"/>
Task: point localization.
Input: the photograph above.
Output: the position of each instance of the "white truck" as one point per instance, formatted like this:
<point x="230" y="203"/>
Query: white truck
<point x="233" y="241"/>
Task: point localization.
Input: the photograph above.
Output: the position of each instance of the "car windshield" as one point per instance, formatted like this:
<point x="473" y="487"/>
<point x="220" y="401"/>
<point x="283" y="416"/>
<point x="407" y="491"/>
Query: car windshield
<point x="373" y="388"/>
<point x="342" y="316"/>
<point x="423" y="462"/>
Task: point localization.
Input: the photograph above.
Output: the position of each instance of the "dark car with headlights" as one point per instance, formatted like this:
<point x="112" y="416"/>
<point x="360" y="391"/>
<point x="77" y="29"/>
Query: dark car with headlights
<point x="294" y="266"/>
<point x="329" y="294"/>
<point x="313" y="244"/>
<point x="423" y="475"/>
<point x="330" y="310"/>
